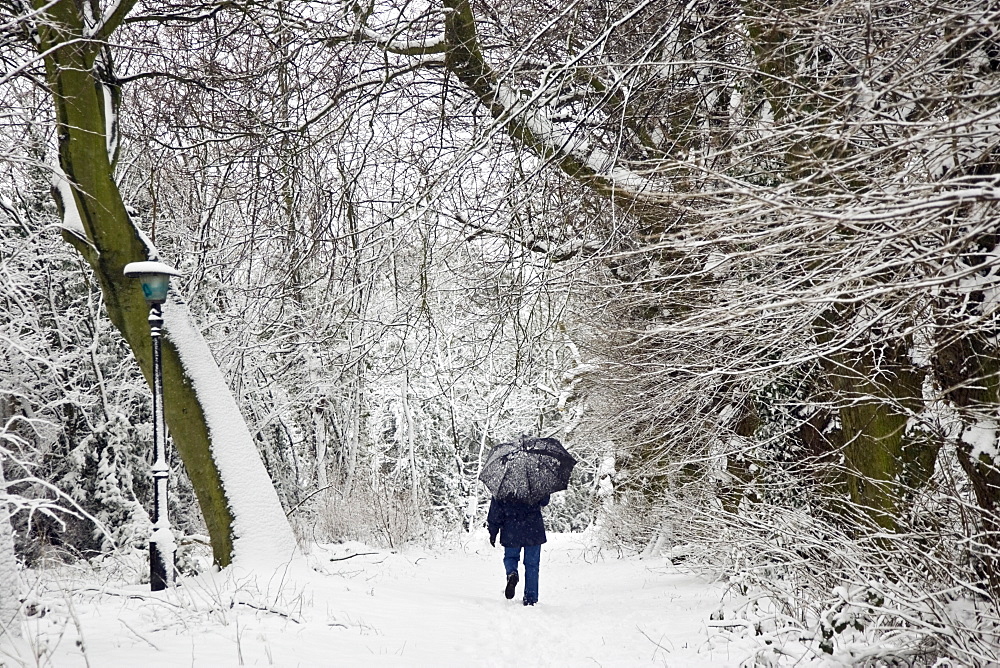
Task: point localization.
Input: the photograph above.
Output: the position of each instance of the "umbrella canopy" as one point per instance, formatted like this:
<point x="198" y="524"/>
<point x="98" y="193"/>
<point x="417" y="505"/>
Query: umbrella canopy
<point x="527" y="470"/>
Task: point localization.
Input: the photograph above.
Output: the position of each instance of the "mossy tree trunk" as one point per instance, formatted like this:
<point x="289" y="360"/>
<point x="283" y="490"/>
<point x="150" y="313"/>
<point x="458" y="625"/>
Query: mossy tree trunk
<point x="78" y="66"/>
<point x="876" y="387"/>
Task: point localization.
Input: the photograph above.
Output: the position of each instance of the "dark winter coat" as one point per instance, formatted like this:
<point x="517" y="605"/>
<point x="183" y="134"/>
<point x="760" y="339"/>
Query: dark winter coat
<point x="517" y="523"/>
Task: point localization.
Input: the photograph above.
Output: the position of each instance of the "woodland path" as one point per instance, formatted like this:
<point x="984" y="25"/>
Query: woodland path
<point x="359" y="606"/>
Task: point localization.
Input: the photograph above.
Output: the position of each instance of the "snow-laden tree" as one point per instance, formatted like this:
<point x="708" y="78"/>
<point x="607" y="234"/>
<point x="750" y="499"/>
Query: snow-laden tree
<point x="798" y="189"/>
<point x="237" y="499"/>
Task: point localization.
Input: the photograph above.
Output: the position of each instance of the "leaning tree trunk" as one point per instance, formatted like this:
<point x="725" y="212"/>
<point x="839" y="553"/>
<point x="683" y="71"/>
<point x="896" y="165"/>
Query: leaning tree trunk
<point x="236" y="496"/>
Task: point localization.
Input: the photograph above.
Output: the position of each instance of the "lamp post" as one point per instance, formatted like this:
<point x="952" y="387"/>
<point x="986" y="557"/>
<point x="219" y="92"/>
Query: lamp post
<point x="155" y="278"/>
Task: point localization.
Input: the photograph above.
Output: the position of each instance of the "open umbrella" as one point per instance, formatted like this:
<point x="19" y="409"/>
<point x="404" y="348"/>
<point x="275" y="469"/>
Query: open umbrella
<point x="527" y="469"/>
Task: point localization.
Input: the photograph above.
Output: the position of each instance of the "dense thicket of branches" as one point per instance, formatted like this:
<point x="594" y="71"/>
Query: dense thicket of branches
<point x="740" y="254"/>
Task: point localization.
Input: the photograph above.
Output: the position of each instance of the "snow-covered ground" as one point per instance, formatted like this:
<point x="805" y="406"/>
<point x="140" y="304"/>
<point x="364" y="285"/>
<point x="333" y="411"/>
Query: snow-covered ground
<point x="360" y="606"/>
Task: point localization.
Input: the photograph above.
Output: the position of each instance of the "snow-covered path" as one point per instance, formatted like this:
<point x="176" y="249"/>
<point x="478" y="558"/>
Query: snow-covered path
<point x="450" y="610"/>
<point x="414" y="608"/>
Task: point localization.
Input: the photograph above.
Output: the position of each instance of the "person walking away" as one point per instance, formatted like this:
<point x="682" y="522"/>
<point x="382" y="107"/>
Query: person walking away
<point x="521" y="527"/>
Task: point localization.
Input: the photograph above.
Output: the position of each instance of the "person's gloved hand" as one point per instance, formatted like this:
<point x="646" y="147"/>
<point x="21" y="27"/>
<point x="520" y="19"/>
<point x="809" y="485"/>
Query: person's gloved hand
<point x="493" y="539"/>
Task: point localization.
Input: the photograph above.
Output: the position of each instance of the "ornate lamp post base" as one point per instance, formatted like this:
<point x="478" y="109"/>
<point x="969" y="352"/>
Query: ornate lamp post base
<point x="161" y="562"/>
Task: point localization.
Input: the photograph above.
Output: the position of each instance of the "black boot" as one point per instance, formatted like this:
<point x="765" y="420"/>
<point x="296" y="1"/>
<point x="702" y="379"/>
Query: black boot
<point x="511" y="583"/>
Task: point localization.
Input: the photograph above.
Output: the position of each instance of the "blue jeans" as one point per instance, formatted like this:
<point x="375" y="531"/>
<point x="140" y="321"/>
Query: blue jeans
<point x="532" y="557"/>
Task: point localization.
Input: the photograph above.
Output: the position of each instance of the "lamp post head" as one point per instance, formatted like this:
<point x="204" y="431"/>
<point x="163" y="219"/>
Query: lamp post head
<point x="155" y="278"/>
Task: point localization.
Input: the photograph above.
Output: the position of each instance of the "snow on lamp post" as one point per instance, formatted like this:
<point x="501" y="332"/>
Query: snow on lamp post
<point x="155" y="279"/>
